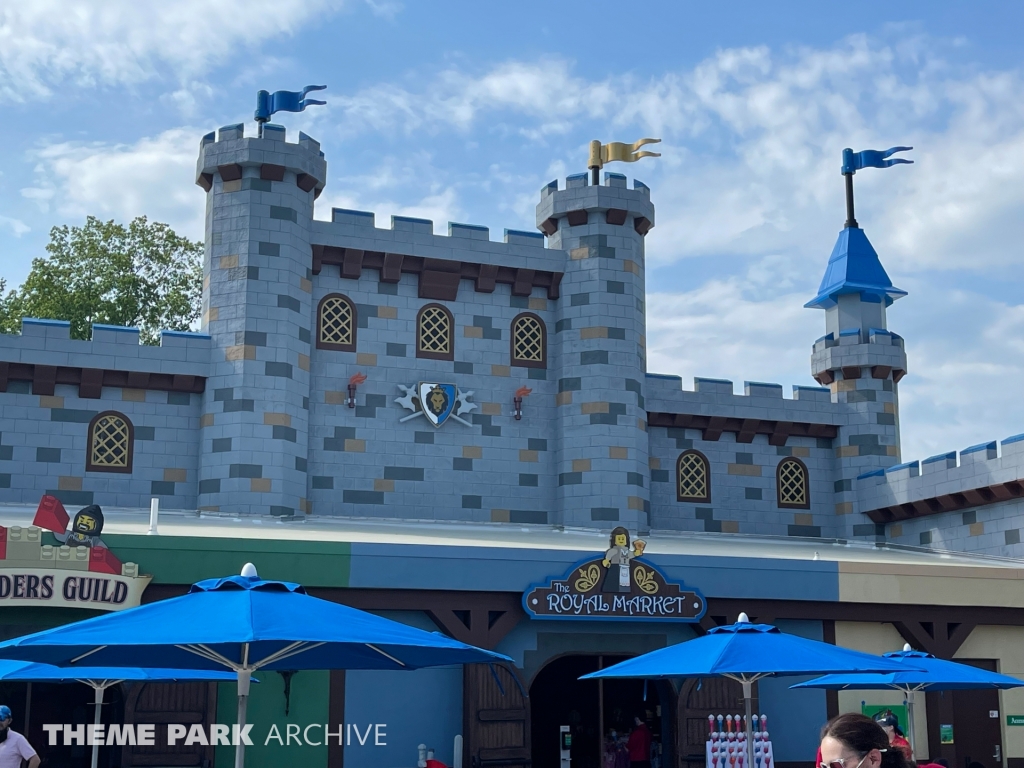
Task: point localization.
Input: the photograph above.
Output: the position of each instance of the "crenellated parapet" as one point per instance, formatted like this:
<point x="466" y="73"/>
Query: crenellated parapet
<point x="876" y="353"/>
<point x="981" y="475"/>
<point x="45" y="354"/>
<point x="352" y="242"/>
<point x="224" y="154"/>
<point x="580" y="203"/>
<point x="713" y="408"/>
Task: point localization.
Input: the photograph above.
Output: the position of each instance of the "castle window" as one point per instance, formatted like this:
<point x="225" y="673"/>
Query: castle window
<point x="693" y="477"/>
<point x="111" y="443"/>
<point x="791" y="480"/>
<point x="336" y="323"/>
<point x="529" y="341"/>
<point x="435" y="333"/>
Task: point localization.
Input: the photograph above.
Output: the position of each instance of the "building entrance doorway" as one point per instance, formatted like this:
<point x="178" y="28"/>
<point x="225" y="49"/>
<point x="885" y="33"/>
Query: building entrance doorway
<point x="594" y="710"/>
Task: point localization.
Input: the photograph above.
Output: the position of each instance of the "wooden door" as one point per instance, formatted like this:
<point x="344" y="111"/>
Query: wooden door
<point x="496" y="718"/>
<point x="697" y="700"/>
<point x="163" y="703"/>
<point x="977" y="735"/>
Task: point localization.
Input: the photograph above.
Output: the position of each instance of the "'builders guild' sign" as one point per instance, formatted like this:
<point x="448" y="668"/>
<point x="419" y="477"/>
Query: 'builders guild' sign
<point x="618" y="585"/>
<point x="76" y="572"/>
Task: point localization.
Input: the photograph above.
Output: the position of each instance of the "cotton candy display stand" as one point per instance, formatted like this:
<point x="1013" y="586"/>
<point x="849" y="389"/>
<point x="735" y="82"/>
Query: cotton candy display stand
<point x="726" y="746"/>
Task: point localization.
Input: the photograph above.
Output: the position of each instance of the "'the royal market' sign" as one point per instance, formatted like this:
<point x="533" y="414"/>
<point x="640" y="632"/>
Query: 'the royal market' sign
<point x="619" y="585"/>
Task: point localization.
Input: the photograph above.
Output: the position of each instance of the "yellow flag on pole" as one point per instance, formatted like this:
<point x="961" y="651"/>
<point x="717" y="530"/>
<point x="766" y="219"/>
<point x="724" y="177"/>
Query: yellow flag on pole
<point x="616" y="151"/>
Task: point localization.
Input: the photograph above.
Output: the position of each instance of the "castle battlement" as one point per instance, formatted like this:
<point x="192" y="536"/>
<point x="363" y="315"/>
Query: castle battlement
<point x="464" y="243"/>
<point x="112" y="348"/>
<point x="269" y="158"/>
<point x="881" y="350"/>
<point x="976" y="476"/>
<point x="610" y="203"/>
<point x="714" y="399"/>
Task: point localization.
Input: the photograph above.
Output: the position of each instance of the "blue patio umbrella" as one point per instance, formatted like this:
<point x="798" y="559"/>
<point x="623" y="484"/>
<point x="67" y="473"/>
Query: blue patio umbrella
<point x="928" y="674"/>
<point x="244" y="624"/>
<point x="746" y="652"/>
<point x="101" y="678"/>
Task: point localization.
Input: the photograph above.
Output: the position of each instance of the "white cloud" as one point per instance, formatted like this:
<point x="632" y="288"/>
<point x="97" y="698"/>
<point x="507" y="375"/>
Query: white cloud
<point x="153" y="177"/>
<point x="455" y="98"/>
<point x="385" y="9"/>
<point x="753" y="139"/>
<point x="16" y="226"/>
<point x="392" y="188"/>
<point x="44" y="43"/>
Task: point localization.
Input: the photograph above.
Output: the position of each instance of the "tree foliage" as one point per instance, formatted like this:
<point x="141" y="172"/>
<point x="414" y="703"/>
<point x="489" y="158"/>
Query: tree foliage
<point x="143" y="275"/>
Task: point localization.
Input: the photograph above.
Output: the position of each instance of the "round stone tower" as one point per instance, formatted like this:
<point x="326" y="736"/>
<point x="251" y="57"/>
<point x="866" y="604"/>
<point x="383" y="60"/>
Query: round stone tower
<point x="256" y="306"/>
<point x="862" y="362"/>
<point x="599" y="349"/>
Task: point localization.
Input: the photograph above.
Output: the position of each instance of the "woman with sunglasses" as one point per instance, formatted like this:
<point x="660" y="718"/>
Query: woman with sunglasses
<point x="856" y="741"/>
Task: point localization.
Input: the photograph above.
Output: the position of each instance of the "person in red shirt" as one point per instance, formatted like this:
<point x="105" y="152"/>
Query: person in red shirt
<point x="639" y="745"/>
<point x="891" y="725"/>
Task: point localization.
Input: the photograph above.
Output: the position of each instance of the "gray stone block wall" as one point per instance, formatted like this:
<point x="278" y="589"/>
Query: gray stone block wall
<point x="744" y="494"/>
<point x="994" y="529"/>
<point x="43" y="442"/>
<point x="366" y="461"/>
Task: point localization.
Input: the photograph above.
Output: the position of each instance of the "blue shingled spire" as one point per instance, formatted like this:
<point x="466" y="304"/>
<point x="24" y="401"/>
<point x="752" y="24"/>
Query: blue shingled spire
<point x="854" y="267"/>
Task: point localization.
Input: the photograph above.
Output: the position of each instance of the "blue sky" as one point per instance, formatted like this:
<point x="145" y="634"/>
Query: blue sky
<point x="462" y="110"/>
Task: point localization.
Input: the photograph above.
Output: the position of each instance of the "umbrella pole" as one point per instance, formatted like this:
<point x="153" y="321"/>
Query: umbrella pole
<point x="748" y="725"/>
<point x="909" y="696"/>
<point x="244" y="678"/>
<point x="96" y="720"/>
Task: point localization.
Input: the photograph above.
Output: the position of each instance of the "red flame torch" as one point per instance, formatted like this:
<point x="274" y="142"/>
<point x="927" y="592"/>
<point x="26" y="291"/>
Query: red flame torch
<point x="517" y="400"/>
<point x="354" y="381"/>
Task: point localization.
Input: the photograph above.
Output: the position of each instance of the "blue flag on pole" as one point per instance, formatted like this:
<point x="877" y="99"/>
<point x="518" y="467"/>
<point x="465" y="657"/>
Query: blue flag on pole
<point x="871" y="158"/>
<point x="284" y="101"/>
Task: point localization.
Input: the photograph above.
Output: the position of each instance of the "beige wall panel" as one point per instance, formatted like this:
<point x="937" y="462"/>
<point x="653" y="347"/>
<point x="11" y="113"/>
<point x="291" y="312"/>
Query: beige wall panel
<point x="930" y="585"/>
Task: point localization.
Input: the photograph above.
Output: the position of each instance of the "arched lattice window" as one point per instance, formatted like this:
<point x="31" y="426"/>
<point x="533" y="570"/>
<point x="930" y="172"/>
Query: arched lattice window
<point x="792" y="482"/>
<point x="336" y="323"/>
<point x="529" y="341"/>
<point x="693" y="477"/>
<point x="111" y="443"/>
<point x="435" y="333"/>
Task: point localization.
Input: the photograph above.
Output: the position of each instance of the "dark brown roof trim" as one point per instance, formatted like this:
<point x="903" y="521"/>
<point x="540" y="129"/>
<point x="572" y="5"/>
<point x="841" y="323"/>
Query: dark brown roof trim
<point x="439" y="278"/>
<point x="712" y="427"/>
<point x="90" y="381"/>
<point x="952" y="502"/>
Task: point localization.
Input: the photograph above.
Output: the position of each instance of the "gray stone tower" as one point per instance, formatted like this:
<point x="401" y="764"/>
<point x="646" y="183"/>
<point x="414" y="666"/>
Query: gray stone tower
<point x="862" y="362"/>
<point x="256" y="306"/>
<point x="599" y="349"/>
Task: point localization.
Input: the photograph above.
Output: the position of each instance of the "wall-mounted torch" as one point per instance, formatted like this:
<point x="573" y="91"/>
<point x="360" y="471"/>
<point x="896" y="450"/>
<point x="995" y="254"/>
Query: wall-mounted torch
<point x="354" y="381"/>
<point x="517" y="400"/>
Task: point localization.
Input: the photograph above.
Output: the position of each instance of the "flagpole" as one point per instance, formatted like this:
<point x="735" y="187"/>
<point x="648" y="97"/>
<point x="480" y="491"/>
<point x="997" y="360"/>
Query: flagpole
<point x="594" y="166"/>
<point x="851" y="221"/>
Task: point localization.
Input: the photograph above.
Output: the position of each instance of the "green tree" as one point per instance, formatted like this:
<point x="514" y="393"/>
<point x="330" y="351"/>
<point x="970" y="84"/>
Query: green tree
<point x="143" y="275"/>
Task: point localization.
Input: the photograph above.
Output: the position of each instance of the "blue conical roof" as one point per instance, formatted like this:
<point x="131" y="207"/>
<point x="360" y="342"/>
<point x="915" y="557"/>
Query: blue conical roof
<point x="854" y="267"/>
